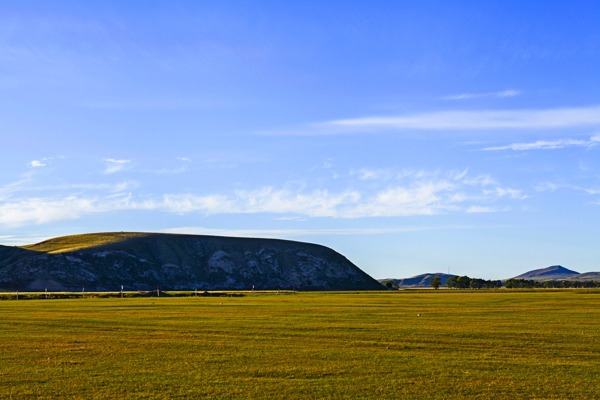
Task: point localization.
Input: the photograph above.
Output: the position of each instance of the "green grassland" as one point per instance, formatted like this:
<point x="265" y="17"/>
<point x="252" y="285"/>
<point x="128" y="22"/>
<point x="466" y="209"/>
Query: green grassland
<point x="409" y="345"/>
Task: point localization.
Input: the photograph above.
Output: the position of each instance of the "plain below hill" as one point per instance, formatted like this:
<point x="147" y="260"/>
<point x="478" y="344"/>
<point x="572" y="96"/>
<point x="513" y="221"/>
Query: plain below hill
<point x="145" y="261"/>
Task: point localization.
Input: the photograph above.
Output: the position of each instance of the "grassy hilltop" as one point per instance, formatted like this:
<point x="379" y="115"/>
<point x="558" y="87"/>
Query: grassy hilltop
<point x="86" y="241"/>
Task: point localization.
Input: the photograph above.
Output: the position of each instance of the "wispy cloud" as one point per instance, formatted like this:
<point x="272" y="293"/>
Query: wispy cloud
<point x="436" y="194"/>
<point x="468" y="120"/>
<point x="378" y="174"/>
<point x="19" y="240"/>
<point x="398" y="175"/>
<point x="116" y="187"/>
<point x="15" y="187"/>
<point x="22" y="239"/>
<point x="37" y="164"/>
<point x="548" y="144"/>
<point x="183" y="162"/>
<point x="481" y="209"/>
<point x="114" y="165"/>
<point x="499" y="94"/>
<point x="279" y="233"/>
<point x="549" y="186"/>
<point x="42" y="162"/>
<point x="419" y="194"/>
<point x="554" y="186"/>
<point x="44" y="210"/>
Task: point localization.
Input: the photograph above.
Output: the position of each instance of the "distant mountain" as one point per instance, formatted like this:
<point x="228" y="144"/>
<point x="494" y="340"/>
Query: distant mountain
<point x="554" y="272"/>
<point x="558" y="273"/>
<point x="419" y="281"/>
<point x="589" y="276"/>
<point x="143" y="261"/>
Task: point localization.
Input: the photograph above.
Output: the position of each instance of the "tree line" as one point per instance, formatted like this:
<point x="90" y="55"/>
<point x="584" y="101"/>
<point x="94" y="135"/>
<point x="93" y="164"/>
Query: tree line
<point x="530" y="284"/>
<point x="465" y="282"/>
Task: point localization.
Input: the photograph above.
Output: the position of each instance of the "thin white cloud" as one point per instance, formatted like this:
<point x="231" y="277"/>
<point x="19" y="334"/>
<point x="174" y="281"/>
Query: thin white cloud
<point x="391" y="174"/>
<point x="327" y="164"/>
<point x="37" y="164"/>
<point x="122" y="186"/>
<point x="419" y="194"/>
<point x="20" y="240"/>
<point x="592" y="191"/>
<point x="499" y="94"/>
<point x="548" y="186"/>
<point x="547" y="144"/>
<point x="554" y="186"/>
<point x="26" y="186"/>
<point x="481" y="209"/>
<point x="279" y="233"/>
<point x="378" y="174"/>
<point x="14" y="240"/>
<point x="13" y="188"/>
<point x="501" y="192"/>
<point x="264" y="200"/>
<point x="468" y="120"/>
<point x="43" y="162"/>
<point x="169" y="171"/>
<point x="44" y="210"/>
<point x="292" y="218"/>
<point x="114" y="165"/>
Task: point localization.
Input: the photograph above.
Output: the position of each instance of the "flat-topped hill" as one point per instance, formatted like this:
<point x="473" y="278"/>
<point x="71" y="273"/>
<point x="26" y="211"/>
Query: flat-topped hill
<point x="143" y="261"/>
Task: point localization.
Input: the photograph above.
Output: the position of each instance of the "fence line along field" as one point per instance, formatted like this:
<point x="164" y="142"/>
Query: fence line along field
<point x="429" y="344"/>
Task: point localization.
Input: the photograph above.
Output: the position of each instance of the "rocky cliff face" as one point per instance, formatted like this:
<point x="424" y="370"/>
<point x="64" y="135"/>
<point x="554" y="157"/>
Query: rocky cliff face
<point x="141" y="261"/>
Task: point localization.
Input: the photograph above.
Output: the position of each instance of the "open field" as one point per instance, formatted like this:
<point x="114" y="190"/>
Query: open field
<point x="429" y="344"/>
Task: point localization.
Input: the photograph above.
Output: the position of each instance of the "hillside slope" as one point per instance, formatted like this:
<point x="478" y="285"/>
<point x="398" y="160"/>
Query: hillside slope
<point x="143" y="261"/>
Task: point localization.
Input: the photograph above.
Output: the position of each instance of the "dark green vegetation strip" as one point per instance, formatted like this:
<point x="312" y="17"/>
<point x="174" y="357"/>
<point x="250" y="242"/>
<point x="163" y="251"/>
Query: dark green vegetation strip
<point x="430" y="345"/>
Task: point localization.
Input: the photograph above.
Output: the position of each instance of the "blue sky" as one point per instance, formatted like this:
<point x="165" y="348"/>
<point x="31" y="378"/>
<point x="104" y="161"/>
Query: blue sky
<point x="412" y="137"/>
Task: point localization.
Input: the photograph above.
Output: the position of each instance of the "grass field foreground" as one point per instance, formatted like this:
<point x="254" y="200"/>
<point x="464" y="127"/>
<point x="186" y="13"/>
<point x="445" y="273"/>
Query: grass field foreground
<point x="430" y="345"/>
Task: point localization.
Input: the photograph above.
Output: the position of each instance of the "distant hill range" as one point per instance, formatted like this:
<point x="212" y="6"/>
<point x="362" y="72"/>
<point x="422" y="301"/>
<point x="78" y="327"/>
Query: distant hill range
<point x="558" y="272"/>
<point x="145" y="261"/>
<point x="553" y="273"/>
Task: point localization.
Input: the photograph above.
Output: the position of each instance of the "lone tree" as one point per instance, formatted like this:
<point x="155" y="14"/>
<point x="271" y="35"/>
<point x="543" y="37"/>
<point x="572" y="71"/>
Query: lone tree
<point x="436" y="282"/>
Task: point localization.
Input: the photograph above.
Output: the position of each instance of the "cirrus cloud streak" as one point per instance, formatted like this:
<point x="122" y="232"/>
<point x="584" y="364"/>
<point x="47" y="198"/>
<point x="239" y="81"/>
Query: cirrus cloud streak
<point x="470" y="120"/>
<point x="500" y="94"/>
<point x="548" y="144"/>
